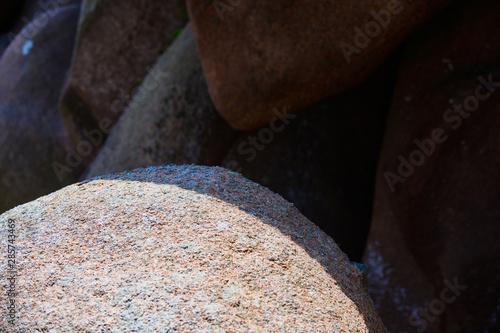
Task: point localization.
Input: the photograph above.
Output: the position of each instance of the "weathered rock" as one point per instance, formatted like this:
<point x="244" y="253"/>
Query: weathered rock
<point x="183" y="249"/>
<point x="260" y="55"/>
<point x="170" y="120"/>
<point x="32" y="134"/>
<point x="324" y="159"/>
<point x="117" y="44"/>
<point x="439" y="228"/>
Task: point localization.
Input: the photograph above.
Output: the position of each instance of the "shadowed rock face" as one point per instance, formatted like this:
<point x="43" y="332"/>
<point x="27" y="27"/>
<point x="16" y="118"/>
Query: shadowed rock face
<point x="118" y="43"/>
<point x="259" y="55"/>
<point x="439" y="228"/>
<point x="4" y="44"/>
<point x="324" y="159"/>
<point x="32" y="135"/>
<point x="171" y="119"/>
<point x="185" y="248"/>
<point x="37" y="12"/>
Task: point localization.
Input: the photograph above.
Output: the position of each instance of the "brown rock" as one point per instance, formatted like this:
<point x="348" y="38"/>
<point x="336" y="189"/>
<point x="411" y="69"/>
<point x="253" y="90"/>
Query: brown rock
<point x="439" y="228"/>
<point x="170" y="120"/>
<point x="117" y="44"/>
<point x="184" y="249"/>
<point x="289" y="52"/>
<point x="32" y="134"/>
<point x="324" y="159"/>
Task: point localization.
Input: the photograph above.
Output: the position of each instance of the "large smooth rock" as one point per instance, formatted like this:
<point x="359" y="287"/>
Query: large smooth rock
<point x="118" y="43"/>
<point x="32" y="134"/>
<point x="170" y="120"/>
<point x="324" y="159"/>
<point x="433" y="249"/>
<point x="257" y="55"/>
<point x="180" y="248"/>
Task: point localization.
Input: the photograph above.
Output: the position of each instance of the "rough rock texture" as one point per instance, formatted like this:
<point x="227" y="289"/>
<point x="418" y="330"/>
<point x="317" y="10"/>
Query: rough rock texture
<point x="257" y="55"/>
<point x="180" y="249"/>
<point x="118" y="42"/>
<point x="442" y="223"/>
<point x="324" y="160"/>
<point x="170" y="120"/>
<point x="32" y="134"/>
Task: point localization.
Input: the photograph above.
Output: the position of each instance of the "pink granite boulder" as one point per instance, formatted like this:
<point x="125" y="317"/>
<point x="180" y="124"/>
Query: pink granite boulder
<point x="177" y="248"/>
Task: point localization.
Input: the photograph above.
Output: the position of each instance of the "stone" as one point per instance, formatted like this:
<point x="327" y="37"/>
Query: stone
<point x="259" y="55"/>
<point x="324" y="159"/>
<point x="171" y="119"/>
<point x="179" y="248"/>
<point x="118" y="43"/>
<point x="32" y="134"/>
<point x="432" y="253"/>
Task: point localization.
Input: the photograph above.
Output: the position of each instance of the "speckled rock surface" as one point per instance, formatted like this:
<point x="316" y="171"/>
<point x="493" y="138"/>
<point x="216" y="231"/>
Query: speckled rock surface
<point x="259" y="54"/>
<point x="179" y="249"/>
<point x="118" y="43"/>
<point x="171" y="119"/>
<point x="441" y="222"/>
<point x="32" y="134"/>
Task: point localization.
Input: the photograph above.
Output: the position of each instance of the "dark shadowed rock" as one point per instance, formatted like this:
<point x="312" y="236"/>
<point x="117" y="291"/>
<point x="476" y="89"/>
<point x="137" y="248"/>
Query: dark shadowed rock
<point x="170" y="120"/>
<point x="35" y="15"/>
<point x="324" y="159"/>
<point x="118" y="43"/>
<point x="184" y="249"/>
<point x="4" y="44"/>
<point x="32" y="135"/>
<point x="9" y="11"/>
<point x="257" y="55"/>
<point x="433" y="250"/>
